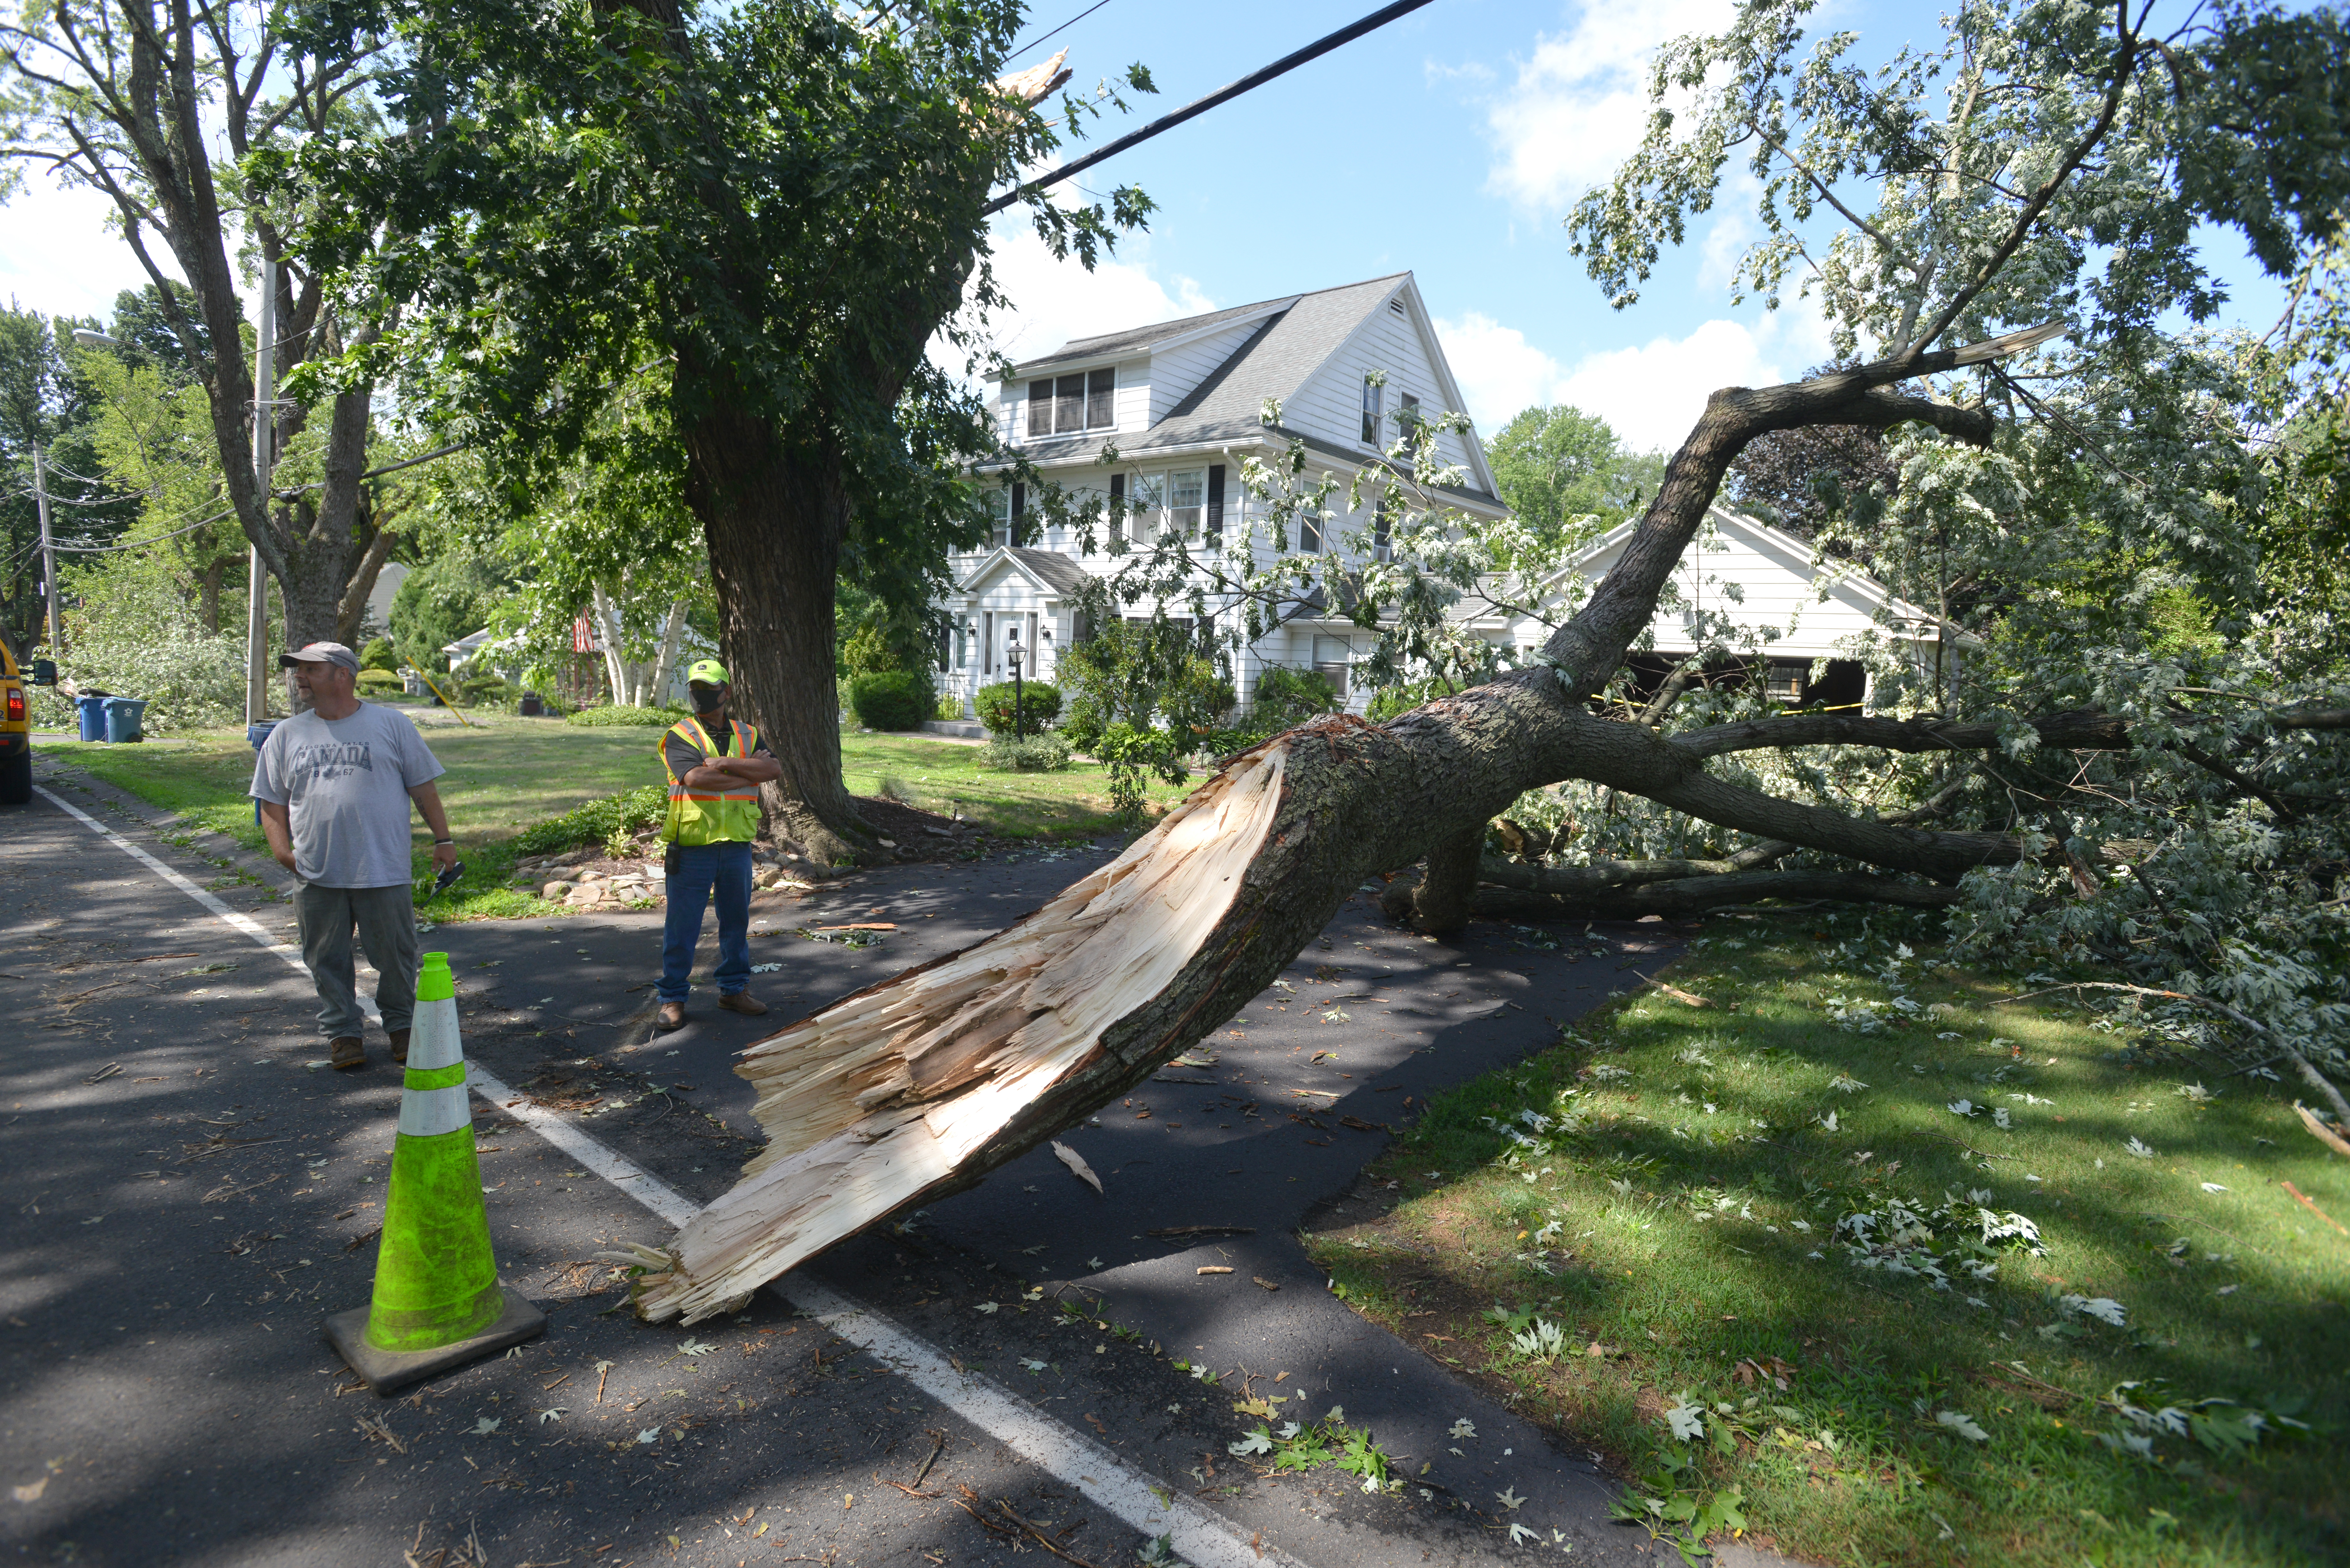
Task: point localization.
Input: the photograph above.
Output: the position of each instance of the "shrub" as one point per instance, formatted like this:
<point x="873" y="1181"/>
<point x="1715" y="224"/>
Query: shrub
<point x="1040" y="705"/>
<point x="1131" y="755"/>
<point x="1083" y="728"/>
<point x="374" y="680"/>
<point x="379" y="655"/>
<point x="1197" y="697"/>
<point x="1045" y="753"/>
<point x="605" y="821"/>
<point x="620" y="715"/>
<point x="1386" y="705"/>
<point x="890" y="700"/>
<point x="950" y="708"/>
<point x="1289" y="697"/>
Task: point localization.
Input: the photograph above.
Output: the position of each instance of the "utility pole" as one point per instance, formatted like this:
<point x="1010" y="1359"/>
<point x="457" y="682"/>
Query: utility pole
<point x="49" y="551"/>
<point x="257" y="601"/>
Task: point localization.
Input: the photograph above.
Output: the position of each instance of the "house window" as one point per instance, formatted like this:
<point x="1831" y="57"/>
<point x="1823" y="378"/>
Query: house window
<point x="999" y="512"/>
<point x="1187" y="494"/>
<point x="1408" y="416"/>
<point x="1333" y="657"/>
<point x="1149" y="498"/>
<point x="1068" y="404"/>
<point x="1382" y="542"/>
<point x="1374" y="406"/>
<point x="1786" y="683"/>
<point x="1309" y="532"/>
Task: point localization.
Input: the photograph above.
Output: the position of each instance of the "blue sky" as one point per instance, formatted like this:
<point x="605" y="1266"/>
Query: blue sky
<point x="1450" y="143"/>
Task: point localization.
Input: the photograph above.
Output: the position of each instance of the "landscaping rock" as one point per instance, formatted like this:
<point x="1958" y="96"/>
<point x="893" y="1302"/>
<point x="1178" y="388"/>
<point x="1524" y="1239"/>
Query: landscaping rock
<point x="555" y="890"/>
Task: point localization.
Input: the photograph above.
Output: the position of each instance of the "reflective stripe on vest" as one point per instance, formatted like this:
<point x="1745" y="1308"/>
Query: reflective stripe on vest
<point x="702" y="816"/>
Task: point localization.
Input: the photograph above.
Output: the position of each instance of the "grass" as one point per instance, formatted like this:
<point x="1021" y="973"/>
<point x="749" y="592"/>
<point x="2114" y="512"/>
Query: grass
<point x="512" y="774"/>
<point x="1643" y="1220"/>
<point x="944" y="777"/>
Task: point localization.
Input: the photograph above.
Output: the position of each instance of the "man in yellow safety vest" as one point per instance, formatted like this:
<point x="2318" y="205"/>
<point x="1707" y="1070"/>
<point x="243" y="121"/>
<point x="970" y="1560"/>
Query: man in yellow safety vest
<point x="715" y="768"/>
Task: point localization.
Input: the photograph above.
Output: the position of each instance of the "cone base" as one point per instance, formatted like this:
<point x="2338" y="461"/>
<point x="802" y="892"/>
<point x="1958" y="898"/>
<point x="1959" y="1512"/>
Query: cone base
<point x="389" y="1371"/>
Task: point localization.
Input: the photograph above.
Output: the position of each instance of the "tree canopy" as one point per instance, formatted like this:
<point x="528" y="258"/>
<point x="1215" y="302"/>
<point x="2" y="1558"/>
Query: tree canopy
<point x="773" y="208"/>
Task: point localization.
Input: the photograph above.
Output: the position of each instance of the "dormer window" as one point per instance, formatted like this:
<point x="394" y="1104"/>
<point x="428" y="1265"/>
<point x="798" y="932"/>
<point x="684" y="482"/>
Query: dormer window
<point x="1070" y="405"/>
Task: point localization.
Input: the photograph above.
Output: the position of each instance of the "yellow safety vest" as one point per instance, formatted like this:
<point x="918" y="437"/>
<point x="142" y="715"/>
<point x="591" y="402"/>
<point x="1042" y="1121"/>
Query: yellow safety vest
<point x="701" y="817"/>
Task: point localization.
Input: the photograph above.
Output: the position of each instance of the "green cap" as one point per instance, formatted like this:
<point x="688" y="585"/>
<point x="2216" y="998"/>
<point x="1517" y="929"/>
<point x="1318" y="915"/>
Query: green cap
<point x="708" y="671"/>
<point x="434" y="983"/>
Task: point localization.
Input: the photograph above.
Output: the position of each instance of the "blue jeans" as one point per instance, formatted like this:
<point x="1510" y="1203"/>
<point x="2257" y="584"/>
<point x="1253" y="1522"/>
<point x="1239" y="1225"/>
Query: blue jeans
<point x="699" y="869"/>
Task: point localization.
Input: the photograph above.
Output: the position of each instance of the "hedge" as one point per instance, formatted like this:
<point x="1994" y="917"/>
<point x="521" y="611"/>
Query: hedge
<point x="1040" y="705"/>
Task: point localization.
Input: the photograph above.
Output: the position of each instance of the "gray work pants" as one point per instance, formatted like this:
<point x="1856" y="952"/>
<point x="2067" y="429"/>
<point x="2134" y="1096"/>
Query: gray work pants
<point x="385" y="918"/>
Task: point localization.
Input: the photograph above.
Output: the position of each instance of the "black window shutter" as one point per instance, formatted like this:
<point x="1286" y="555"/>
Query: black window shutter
<point x="1215" y="501"/>
<point x="1040" y="408"/>
<point x="1019" y="505"/>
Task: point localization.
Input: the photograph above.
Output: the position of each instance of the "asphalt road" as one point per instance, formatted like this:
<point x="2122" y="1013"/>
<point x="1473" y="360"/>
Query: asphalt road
<point x="191" y="1193"/>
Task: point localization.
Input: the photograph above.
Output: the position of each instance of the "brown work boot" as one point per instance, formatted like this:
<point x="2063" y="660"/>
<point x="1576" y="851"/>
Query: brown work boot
<point x="671" y="1016"/>
<point x="346" y="1053"/>
<point x="742" y="1001"/>
<point x="399" y="1047"/>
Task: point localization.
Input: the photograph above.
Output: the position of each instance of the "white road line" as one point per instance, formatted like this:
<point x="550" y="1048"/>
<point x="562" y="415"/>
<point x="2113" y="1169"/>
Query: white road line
<point x="1201" y="1536"/>
<point x="292" y="955"/>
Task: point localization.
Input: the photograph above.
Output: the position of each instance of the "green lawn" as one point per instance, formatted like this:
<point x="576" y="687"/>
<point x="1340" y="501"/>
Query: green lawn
<point x="1638" y="1230"/>
<point x="946" y="778"/>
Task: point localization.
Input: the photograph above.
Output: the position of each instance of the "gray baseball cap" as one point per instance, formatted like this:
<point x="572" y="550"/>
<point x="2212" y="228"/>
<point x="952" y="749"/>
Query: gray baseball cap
<point x="321" y="653"/>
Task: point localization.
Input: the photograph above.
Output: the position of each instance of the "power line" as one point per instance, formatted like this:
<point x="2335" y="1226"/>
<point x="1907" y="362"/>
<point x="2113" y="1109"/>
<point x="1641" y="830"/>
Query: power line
<point x="1198" y="106"/>
<point x="1063" y="27"/>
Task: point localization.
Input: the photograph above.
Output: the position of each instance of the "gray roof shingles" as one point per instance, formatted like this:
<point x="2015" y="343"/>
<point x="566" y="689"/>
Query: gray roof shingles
<point x="1058" y="572"/>
<point x="1272" y="361"/>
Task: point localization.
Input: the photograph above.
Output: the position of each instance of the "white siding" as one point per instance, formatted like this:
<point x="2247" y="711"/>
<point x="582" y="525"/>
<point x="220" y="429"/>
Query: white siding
<point x="1330" y="403"/>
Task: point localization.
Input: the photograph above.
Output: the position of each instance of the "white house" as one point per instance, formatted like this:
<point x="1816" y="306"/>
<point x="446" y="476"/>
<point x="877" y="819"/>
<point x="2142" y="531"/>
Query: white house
<point x="1182" y="402"/>
<point x="1763" y="587"/>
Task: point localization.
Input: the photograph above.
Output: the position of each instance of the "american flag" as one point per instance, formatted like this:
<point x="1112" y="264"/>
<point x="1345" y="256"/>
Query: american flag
<point x="583" y="637"/>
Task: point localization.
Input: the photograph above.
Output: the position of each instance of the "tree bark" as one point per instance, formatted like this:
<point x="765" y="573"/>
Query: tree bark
<point x="773" y="520"/>
<point x="1695" y="895"/>
<point x="1437" y="904"/>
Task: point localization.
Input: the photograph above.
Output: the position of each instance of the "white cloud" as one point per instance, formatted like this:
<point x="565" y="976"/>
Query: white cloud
<point x="1054" y="301"/>
<point x="1580" y="101"/>
<point x="59" y="256"/>
<point x="1650" y="392"/>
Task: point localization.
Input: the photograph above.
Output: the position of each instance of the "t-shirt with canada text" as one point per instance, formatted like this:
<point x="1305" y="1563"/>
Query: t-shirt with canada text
<point x="345" y="784"/>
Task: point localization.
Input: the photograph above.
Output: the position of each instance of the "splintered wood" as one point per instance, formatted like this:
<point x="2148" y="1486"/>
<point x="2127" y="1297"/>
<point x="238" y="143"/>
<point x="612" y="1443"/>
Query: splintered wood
<point x="887" y="1093"/>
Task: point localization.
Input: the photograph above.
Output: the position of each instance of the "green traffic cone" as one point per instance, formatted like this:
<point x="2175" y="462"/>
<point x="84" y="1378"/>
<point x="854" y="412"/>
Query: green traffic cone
<point x="437" y="1303"/>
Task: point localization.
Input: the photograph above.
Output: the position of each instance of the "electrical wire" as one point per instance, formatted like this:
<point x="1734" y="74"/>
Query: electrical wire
<point x="1063" y="27"/>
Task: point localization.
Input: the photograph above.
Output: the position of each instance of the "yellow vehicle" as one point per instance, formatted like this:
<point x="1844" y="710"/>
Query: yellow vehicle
<point x="15" y="734"/>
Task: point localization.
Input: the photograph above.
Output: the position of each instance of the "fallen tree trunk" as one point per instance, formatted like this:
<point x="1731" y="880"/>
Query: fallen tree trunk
<point x="919" y="1086"/>
<point x="1695" y="895"/>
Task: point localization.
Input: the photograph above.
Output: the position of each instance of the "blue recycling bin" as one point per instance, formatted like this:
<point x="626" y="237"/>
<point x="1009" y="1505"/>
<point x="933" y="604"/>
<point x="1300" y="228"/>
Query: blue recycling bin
<point x="257" y="736"/>
<point x="122" y="716"/>
<point x="91" y="712"/>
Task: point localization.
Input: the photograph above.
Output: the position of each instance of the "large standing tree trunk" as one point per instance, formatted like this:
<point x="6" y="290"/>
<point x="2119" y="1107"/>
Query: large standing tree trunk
<point x="774" y="518"/>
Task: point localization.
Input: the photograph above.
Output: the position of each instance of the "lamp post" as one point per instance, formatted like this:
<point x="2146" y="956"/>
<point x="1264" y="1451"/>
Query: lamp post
<point x="1019" y="730"/>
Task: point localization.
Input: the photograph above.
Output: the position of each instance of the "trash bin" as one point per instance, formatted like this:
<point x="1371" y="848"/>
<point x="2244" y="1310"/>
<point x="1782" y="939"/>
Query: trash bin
<point x="257" y="736"/>
<point x="532" y="706"/>
<point x="122" y="716"/>
<point x="91" y="712"/>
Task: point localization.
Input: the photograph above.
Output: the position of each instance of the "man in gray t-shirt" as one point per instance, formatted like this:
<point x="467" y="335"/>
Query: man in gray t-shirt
<point x="334" y="785"/>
